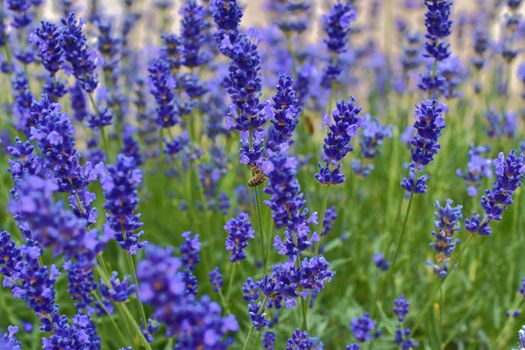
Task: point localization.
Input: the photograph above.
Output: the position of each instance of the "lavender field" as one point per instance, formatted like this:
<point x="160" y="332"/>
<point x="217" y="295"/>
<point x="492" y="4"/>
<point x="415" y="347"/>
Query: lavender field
<point x="277" y="174"/>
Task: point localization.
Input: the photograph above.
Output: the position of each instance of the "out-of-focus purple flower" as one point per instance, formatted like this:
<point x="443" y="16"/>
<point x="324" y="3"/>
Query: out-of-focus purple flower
<point x="194" y="24"/>
<point x="498" y="126"/>
<point x="190" y="250"/>
<point x="216" y="279"/>
<point x="194" y="323"/>
<point x="47" y="37"/>
<point x="370" y="142"/>
<point x="249" y="290"/>
<point x="521" y="337"/>
<point x="362" y="327"/>
<point x="8" y="341"/>
<point x="51" y="225"/>
<point x="239" y="231"/>
<point x="401" y="306"/>
<point x="268" y="341"/>
<point x="478" y="168"/>
<point x="336" y="24"/>
<point x="162" y="89"/>
<point x="329" y="218"/>
<point x="227" y="15"/>
<point x="82" y="62"/>
<point x="381" y="262"/>
<point x="22" y="16"/>
<point x="120" y="185"/>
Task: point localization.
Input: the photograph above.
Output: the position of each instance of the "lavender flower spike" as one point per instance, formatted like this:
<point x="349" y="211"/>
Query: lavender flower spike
<point x="337" y="144"/>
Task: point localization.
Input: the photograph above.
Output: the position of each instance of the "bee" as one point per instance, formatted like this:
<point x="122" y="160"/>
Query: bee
<point x="257" y="178"/>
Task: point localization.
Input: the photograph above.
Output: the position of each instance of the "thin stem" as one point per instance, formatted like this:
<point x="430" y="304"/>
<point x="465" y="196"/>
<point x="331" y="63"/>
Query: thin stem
<point x="230" y="283"/>
<point x="101" y="303"/>
<point x="500" y="341"/>
<point x="429" y="301"/>
<point x="247" y="341"/>
<point x="260" y="225"/>
<point x="323" y="213"/>
<point x="131" y="266"/>
<point x="403" y="230"/>
<point x="250" y="332"/>
<point x="123" y="310"/>
<point x="304" y="307"/>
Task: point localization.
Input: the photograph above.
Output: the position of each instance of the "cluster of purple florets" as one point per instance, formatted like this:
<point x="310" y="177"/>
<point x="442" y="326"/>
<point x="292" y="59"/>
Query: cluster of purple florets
<point x="509" y="171"/>
<point x="448" y="221"/>
<point x="337" y="144"/>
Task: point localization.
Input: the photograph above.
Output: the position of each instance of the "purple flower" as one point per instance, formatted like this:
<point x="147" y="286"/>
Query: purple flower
<point x="250" y="292"/>
<point x="47" y="37"/>
<point x="227" y="14"/>
<point x="478" y="168"/>
<point x="329" y="218"/>
<point x="438" y="27"/>
<point x="190" y="250"/>
<point x="82" y="61"/>
<point x="216" y="279"/>
<point x="285" y="112"/>
<point x="51" y="225"/>
<point x="239" y="231"/>
<point x="371" y="139"/>
<point x="521" y="337"/>
<point x="401" y="306"/>
<point x="509" y="173"/>
<point x="362" y="327"/>
<point x="268" y="342"/>
<point x="257" y="316"/>
<point x="22" y="16"/>
<point x="161" y="280"/>
<point x="299" y="340"/>
<point x="8" y="341"/>
<point x="120" y="185"/>
<point x="194" y="25"/>
<point x="424" y="145"/>
<point x="162" y="89"/>
<point x="402" y="338"/>
<point x="337" y="144"/>
<point x="381" y="262"/>
<point x="81" y="332"/>
<point x="287" y="203"/>
<point x="336" y="25"/>
<point x="25" y="277"/>
<point x="448" y="221"/>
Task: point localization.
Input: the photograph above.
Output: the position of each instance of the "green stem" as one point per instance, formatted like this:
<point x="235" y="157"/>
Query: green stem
<point x="117" y="328"/>
<point x="247" y="341"/>
<point x="260" y="225"/>
<point x="503" y="336"/>
<point x="131" y="266"/>
<point x="230" y="283"/>
<point x="123" y="310"/>
<point x="323" y="213"/>
<point x="250" y="332"/>
<point x="403" y="230"/>
<point x="429" y="301"/>
<point x="304" y="307"/>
